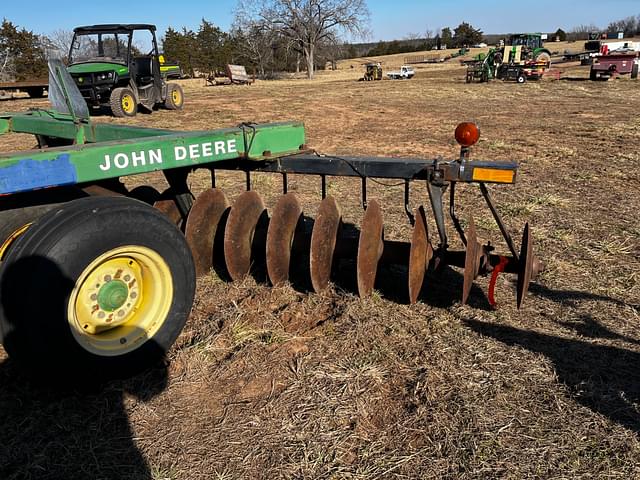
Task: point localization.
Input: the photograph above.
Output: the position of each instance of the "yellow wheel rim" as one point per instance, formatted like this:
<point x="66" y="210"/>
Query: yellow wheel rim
<point x="12" y="238"/>
<point x="176" y="96"/>
<point x="120" y="300"/>
<point x="128" y="103"/>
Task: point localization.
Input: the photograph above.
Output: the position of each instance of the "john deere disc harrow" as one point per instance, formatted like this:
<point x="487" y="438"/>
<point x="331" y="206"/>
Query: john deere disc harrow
<point x="68" y="228"/>
<point x="252" y="236"/>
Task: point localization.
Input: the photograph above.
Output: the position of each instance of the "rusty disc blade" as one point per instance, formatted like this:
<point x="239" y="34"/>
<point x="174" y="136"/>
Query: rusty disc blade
<point x="525" y="269"/>
<point x="202" y="225"/>
<point x="323" y="242"/>
<point x="167" y="205"/>
<point x="282" y="227"/>
<point x="370" y="247"/>
<point x="420" y="254"/>
<point x="238" y="237"/>
<point x="471" y="260"/>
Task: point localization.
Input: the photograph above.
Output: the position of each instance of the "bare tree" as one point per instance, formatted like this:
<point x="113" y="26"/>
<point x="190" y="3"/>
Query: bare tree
<point x="430" y="33"/>
<point x="256" y="45"/>
<point x="255" y="40"/>
<point x="630" y="26"/>
<point x="59" y="43"/>
<point x="309" y="23"/>
<point x="582" y="32"/>
<point x="7" y="70"/>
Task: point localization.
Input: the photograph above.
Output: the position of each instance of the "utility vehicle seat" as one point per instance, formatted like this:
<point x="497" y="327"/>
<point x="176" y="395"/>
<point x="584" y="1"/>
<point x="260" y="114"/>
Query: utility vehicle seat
<point x="144" y="69"/>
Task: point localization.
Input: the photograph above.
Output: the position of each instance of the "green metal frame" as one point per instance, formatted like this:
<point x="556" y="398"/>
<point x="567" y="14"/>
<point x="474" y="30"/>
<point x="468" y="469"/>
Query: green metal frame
<point x="103" y="151"/>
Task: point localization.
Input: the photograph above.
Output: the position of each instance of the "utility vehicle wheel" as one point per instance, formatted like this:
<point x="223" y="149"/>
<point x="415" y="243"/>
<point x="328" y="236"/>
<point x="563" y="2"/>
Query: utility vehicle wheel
<point x="593" y="75"/>
<point x="97" y="288"/>
<point x="175" y="97"/>
<point x="521" y="78"/>
<point x="123" y="102"/>
<point x="634" y="71"/>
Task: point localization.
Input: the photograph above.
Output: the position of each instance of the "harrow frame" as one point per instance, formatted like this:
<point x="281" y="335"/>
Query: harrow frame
<point x="90" y="158"/>
<point x="102" y="153"/>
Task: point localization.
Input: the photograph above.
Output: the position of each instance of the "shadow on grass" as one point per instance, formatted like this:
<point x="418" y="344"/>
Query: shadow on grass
<point x="55" y="433"/>
<point x="585" y="325"/>
<point x="58" y="419"/>
<point x="571" y="297"/>
<point x="606" y="379"/>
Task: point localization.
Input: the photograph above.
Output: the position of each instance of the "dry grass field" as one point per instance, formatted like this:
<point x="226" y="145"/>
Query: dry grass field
<point x="277" y="383"/>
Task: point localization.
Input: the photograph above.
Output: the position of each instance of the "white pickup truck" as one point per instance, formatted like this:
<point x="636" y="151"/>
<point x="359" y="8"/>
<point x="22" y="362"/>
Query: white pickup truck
<point x="404" y="72"/>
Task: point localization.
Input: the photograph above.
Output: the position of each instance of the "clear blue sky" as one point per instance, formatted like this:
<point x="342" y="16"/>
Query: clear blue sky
<point x="389" y="19"/>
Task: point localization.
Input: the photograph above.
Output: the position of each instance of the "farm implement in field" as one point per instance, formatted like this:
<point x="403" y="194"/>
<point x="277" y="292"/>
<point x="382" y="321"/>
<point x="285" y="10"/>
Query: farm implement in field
<point x="524" y="58"/>
<point x="95" y="279"/>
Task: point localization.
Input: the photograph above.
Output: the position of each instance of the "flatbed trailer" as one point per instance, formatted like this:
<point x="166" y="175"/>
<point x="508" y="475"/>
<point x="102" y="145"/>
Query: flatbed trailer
<point x="95" y="281"/>
<point x="34" y="88"/>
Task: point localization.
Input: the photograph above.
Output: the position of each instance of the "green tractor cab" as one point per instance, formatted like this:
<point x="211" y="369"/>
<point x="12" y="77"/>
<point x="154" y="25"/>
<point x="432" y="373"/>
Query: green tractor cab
<point x="110" y="70"/>
<point x="530" y="48"/>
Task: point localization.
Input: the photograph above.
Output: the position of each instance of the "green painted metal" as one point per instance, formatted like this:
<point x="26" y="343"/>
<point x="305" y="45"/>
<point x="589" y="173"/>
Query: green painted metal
<point x="53" y="124"/>
<point x="112" y="295"/>
<point x="96" y="67"/>
<point x="109" y="151"/>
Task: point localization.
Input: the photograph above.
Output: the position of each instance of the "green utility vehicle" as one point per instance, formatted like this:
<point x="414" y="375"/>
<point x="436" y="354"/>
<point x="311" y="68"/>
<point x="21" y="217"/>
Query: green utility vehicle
<point x="110" y="70"/>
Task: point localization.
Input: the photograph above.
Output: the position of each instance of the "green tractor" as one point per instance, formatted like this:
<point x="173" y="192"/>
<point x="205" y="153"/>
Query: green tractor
<point x="530" y="48"/>
<point x="373" y="71"/>
<point x="111" y="71"/>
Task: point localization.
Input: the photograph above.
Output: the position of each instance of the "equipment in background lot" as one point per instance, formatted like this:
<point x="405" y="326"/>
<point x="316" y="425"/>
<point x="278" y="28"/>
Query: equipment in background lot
<point x="170" y="70"/>
<point x="235" y="75"/>
<point x="530" y="49"/>
<point x="110" y="71"/>
<point x="94" y="282"/>
<point x="517" y="63"/>
<point x="373" y="71"/>
<point x="405" y="72"/>
<point x="606" y="66"/>
<point x="33" y="88"/>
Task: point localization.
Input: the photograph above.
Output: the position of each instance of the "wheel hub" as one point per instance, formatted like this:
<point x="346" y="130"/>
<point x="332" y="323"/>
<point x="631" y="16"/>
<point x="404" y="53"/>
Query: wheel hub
<point x="111" y="295"/>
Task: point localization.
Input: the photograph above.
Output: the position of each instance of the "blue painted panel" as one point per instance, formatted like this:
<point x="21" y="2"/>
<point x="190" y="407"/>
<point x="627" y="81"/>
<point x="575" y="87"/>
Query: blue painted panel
<point x="28" y="174"/>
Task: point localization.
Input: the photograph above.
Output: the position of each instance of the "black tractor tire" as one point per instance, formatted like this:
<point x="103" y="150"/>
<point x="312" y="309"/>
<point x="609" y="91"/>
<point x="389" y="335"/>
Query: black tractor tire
<point x="175" y="97"/>
<point x="22" y="209"/>
<point x="634" y="71"/>
<point x="35" y="92"/>
<point x="123" y="102"/>
<point x="47" y="280"/>
<point x="543" y="57"/>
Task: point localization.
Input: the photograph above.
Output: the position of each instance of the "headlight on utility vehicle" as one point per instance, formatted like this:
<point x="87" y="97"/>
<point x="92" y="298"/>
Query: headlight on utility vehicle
<point x="106" y="76"/>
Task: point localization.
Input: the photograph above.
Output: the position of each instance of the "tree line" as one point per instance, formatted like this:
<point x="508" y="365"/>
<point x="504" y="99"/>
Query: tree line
<point x="267" y="36"/>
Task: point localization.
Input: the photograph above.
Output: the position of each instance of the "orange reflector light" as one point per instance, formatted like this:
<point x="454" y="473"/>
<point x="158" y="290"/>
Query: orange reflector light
<point x="467" y="134"/>
<point x="493" y="175"/>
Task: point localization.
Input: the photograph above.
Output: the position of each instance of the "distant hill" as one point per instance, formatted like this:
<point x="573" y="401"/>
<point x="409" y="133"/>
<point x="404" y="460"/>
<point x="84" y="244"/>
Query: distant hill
<point x="390" y="47"/>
